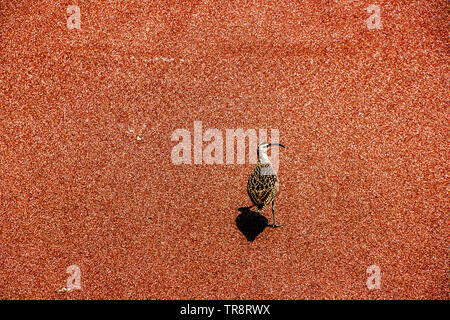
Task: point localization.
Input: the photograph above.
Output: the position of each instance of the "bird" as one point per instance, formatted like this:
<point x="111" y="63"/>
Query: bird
<point x="263" y="184"/>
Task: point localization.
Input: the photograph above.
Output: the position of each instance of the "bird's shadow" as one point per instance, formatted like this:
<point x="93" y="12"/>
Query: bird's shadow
<point x="250" y="223"/>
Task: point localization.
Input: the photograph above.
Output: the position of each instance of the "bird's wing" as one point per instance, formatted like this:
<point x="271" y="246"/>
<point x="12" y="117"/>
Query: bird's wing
<point x="262" y="189"/>
<point x="260" y="197"/>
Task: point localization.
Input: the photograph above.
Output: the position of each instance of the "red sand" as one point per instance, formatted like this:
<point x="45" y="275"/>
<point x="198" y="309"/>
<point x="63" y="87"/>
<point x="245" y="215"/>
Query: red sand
<point x="363" y="178"/>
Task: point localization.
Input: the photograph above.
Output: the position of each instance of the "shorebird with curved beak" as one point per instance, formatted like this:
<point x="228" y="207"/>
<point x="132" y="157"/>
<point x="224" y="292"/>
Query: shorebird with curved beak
<point x="263" y="182"/>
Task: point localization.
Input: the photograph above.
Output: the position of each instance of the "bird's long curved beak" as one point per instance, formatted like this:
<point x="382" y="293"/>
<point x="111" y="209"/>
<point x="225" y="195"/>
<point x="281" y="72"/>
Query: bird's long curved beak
<point x="276" y="144"/>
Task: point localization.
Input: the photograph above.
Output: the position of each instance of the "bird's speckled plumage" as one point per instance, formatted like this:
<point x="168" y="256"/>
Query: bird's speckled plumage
<point x="262" y="185"/>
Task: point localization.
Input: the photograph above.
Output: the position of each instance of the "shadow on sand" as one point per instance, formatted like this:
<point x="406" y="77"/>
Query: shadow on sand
<point x="250" y="223"/>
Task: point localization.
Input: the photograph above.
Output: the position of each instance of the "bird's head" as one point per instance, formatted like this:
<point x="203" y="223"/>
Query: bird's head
<point x="263" y="147"/>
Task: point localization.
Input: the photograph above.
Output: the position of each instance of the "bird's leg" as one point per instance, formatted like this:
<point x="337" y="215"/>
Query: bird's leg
<point x="274" y="225"/>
